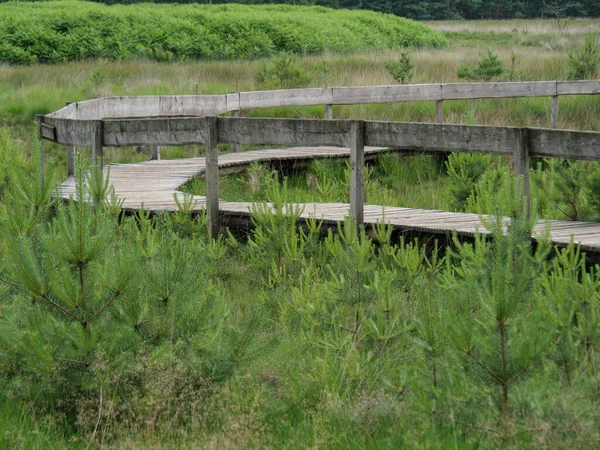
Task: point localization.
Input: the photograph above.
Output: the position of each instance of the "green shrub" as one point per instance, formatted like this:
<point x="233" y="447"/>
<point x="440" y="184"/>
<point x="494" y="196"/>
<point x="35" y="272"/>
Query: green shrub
<point x="282" y="72"/>
<point x="584" y="65"/>
<point x="488" y="67"/>
<point x="401" y="70"/>
<point x="54" y="32"/>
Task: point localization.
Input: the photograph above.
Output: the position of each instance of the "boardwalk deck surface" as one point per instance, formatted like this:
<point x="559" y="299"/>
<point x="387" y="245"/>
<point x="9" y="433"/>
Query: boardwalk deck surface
<point x="153" y="185"/>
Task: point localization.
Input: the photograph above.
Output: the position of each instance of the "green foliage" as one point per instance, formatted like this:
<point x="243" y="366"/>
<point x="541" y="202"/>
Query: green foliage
<point x="89" y="294"/>
<point x="55" y="32"/>
<point x="566" y="187"/>
<point x="401" y="70"/>
<point x="464" y="172"/>
<point x="282" y="72"/>
<point x="488" y="67"/>
<point x="584" y="65"/>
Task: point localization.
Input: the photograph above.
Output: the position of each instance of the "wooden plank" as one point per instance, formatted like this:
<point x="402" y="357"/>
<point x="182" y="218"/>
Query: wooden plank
<point x="71" y="132"/>
<point x="439" y="111"/>
<point x="584" y="145"/>
<point x="192" y="105"/>
<point x="554" y="114"/>
<point x="235" y="147"/>
<point x="458" y="91"/>
<point x="578" y="87"/>
<point x="125" y="107"/>
<point x="521" y="165"/>
<point x="155" y="153"/>
<point x="284" y="131"/>
<point x="97" y="145"/>
<point x="70" y="160"/>
<point x="164" y="131"/>
<point x="328" y="113"/>
<point x="386" y="94"/>
<point x="357" y="170"/>
<point x="233" y="101"/>
<point x="287" y="97"/>
<point x="212" y="175"/>
<point x="446" y="138"/>
<point x="47" y="132"/>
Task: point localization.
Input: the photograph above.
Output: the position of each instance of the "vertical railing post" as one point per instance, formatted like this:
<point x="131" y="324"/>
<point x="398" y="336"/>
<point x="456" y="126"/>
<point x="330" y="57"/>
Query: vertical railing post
<point x="155" y="153"/>
<point x="521" y="164"/>
<point x="97" y="145"/>
<point x="439" y="111"/>
<point x="554" y="118"/>
<point x="357" y="171"/>
<point x="39" y="121"/>
<point x="70" y="160"/>
<point x="70" y="156"/>
<point x="211" y="139"/>
<point x="328" y="112"/>
<point x="234" y="147"/>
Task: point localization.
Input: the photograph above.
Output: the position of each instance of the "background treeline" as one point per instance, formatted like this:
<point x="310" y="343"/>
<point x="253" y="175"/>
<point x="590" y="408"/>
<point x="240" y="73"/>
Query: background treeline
<point x="431" y="9"/>
<point x="53" y="32"/>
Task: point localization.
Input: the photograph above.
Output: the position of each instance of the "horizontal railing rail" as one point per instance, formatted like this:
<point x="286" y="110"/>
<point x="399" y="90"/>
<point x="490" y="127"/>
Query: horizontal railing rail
<point x="210" y="105"/>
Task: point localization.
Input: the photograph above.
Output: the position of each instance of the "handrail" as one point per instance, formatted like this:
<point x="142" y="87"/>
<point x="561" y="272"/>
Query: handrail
<point x="210" y="105"/>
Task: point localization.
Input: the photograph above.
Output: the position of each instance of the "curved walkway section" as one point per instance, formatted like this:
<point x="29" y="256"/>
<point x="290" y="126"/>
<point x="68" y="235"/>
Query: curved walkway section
<point x="153" y="185"/>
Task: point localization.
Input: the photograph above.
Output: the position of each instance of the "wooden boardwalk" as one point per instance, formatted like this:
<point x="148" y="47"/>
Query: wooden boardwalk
<point x="153" y="185"/>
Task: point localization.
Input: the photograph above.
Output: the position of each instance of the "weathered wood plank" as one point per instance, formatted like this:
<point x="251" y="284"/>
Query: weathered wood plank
<point x="521" y="164"/>
<point x="578" y="87"/>
<point x="446" y="138"/>
<point x="458" y="91"/>
<point x="71" y="132"/>
<point x="287" y="97"/>
<point x="386" y="94"/>
<point x="169" y="131"/>
<point x="554" y="113"/>
<point x="564" y="144"/>
<point x="284" y="131"/>
<point x="97" y="145"/>
<point x="70" y="160"/>
<point x="155" y="153"/>
<point x="439" y="111"/>
<point x="192" y="105"/>
<point x="47" y="132"/>
<point x="357" y="170"/>
<point x="212" y="175"/>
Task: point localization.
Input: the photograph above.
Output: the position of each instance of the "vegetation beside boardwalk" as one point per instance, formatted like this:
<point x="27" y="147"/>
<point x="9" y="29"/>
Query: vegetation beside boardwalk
<point x="58" y="32"/>
<point x="140" y="331"/>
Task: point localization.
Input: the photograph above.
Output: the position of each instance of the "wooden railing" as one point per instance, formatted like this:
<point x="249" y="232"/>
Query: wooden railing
<point x="519" y="143"/>
<point x="123" y="121"/>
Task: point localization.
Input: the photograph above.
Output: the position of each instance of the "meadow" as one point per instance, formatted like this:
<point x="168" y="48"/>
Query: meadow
<point x="138" y="331"/>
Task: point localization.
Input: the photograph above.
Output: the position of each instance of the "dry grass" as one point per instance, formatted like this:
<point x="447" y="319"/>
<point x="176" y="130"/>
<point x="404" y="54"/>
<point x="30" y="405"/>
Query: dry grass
<point x="533" y="26"/>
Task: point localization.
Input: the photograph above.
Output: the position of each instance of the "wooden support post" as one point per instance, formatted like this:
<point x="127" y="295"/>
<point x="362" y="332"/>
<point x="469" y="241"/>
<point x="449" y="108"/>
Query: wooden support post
<point x="357" y="171"/>
<point x="211" y="154"/>
<point x="155" y="153"/>
<point x="39" y="120"/>
<point x="521" y="165"/>
<point x="70" y="156"/>
<point x="439" y="111"/>
<point x="70" y="160"/>
<point x="328" y="112"/>
<point x="97" y="145"/>
<point x="554" y="119"/>
<point x="235" y="147"/>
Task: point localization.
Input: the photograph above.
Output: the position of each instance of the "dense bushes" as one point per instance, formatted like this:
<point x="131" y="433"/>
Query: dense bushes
<point x="116" y="330"/>
<point x="52" y="32"/>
